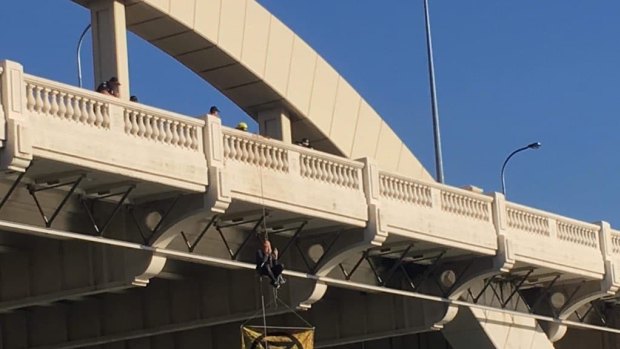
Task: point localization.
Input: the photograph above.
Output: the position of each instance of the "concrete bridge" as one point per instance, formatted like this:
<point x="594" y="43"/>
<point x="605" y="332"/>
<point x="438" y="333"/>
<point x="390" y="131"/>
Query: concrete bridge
<point x="127" y="226"/>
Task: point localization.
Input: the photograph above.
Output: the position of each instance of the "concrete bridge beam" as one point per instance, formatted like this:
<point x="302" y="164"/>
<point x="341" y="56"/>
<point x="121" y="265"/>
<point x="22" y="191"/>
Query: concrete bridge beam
<point x="199" y="302"/>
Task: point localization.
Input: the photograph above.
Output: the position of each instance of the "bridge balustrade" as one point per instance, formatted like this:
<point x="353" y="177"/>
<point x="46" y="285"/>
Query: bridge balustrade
<point x="287" y="176"/>
<point x="548" y="240"/>
<point x="93" y="130"/>
<point x="66" y="125"/>
<point x="437" y="213"/>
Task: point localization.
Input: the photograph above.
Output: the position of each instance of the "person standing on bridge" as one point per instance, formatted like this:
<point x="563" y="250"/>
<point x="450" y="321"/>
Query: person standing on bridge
<point x="103" y="88"/>
<point x="114" y="86"/>
<point x="267" y="264"/>
<point x="213" y="111"/>
<point x="242" y="126"/>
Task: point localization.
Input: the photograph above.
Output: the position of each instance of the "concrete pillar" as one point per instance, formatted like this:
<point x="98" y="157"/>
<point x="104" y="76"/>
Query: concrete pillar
<point x="109" y="32"/>
<point x="276" y="124"/>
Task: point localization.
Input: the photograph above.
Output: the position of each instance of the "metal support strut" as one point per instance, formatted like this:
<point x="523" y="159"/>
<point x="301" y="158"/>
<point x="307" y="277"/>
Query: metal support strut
<point x="12" y="189"/>
<point x="33" y="189"/>
<point x="192" y="245"/>
<point x="153" y="234"/>
<point x="235" y="254"/>
<point x="89" y="210"/>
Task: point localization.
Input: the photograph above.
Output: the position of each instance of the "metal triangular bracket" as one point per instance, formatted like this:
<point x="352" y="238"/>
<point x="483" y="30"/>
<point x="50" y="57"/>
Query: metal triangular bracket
<point x="100" y="230"/>
<point x="33" y="189"/>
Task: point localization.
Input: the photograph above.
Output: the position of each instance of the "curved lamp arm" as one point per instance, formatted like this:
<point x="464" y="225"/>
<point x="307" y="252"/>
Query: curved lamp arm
<point x="534" y="145"/>
<point x="79" y="55"/>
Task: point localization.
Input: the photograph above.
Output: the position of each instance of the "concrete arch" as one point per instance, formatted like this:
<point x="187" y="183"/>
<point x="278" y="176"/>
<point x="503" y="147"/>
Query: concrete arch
<point x="260" y="64"/>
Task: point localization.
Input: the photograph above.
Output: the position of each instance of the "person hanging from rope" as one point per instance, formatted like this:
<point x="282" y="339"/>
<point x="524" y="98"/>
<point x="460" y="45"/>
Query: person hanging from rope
<point x="267" y="264"/>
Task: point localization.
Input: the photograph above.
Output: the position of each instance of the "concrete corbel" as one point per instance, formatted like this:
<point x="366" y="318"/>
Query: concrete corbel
<point x="17" y="153"/>
<point x="155" y="266"/>
<point x="459" y="277"/>
<point x="373" y="235"/>
<point x="218" y="195"/>
<point x="318" y="291"/>
<point x="192" y="215"/>
<point x="590" y="290"/>
<point x="347" y="246"/>
<point x="456" y="278"/>
<point x="575" y="299"/>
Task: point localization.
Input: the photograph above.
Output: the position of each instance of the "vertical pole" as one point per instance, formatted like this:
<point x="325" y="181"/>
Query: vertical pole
<point x="431" y="69"/>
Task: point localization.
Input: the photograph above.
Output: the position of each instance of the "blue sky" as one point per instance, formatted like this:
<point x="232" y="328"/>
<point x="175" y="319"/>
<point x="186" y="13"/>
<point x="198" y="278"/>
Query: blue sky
<point x="508" y="73"/>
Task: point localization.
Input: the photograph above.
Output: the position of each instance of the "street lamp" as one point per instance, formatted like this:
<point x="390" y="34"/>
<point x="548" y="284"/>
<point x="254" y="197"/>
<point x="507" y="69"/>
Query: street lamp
<point x="534" y="145"/>
<point x="79" y="58"/>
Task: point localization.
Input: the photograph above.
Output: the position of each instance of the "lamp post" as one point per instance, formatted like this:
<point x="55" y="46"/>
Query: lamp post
<point x="534" y="145"/>
<point x="435" y="108"/>
<point x="79" y="58"/>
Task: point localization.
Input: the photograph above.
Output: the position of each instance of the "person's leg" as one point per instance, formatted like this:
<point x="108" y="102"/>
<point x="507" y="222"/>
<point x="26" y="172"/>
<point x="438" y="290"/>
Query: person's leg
<point x="277" y="272"/>
<point x="266" y="270"/>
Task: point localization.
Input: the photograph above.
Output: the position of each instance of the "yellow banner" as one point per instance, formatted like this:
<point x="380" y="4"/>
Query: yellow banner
<point x="252" y="337"/>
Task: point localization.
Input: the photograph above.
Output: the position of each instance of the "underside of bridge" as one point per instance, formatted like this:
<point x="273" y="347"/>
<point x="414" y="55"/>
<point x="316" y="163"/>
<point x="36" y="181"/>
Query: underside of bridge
<point x="80" y="290"/>
<point x="65" y="293"/>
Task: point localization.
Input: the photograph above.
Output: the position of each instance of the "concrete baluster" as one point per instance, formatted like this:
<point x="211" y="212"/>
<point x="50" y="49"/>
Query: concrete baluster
<point x="47" y="105"/>
<point x="77" y="109"/>
<point x="156" y="121"/>
<point x="70" y="107"/>
<point x="62" y="107"/>
<point x="54" y="108"/>
<point x="148" y="126"/>
<point x="30" y="97"/>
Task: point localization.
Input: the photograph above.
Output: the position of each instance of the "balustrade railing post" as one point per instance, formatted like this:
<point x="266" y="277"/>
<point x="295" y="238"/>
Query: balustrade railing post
<point x="611" y="282"/>
<point x="213" y="139"/>
<point x="436" y="199"/>
<point x="294" y="163"/>
<point x="605" y="239"/>
<point x="218" y="192"/>
<point x="2" y="106"/>
<point x="117" y="118"/>
<point x="376" y="231"/>
<point x="505" y="258"/>
<point x="14" y="134"/>
<point x="553" y="229"/>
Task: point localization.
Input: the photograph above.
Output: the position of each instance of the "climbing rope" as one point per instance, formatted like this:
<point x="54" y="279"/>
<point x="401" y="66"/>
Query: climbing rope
<point x="262" y="300"/>
<point x="275" y="299"/>
<point x="262" y="200"/>
<point x="274" y="302"/>
<point x="266" y="237"/>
